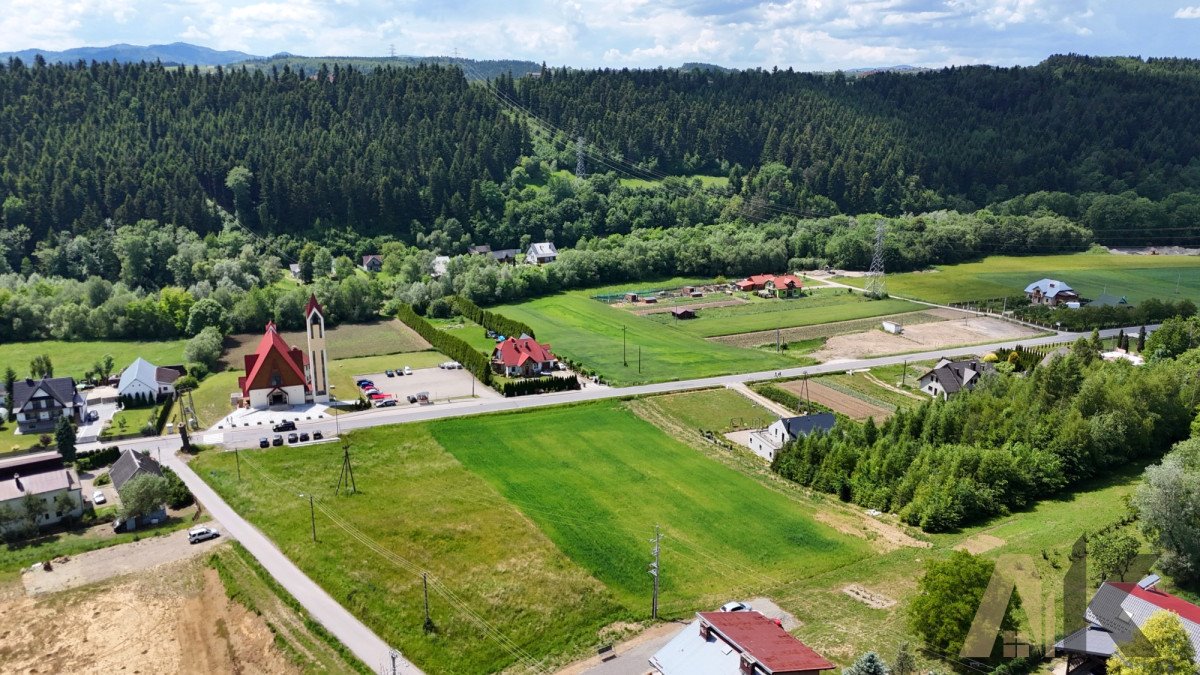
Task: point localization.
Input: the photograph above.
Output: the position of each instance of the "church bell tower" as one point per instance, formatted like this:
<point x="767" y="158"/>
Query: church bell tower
<point x="318" y="369"/>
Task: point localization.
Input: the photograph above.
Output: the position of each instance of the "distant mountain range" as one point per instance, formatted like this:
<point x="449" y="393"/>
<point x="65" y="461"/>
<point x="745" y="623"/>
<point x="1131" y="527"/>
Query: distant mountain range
<point x="175" y="53"/>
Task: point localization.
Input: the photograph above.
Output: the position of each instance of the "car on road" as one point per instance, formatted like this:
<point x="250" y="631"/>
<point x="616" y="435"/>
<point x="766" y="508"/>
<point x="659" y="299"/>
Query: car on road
<point x="264" y="442"/>
<point x="303" y="436"/>
<point x="735" y="606"/>
<point x="199" y="534"/>
<point x="98" y="497"/>
<point x="284" y="426"/>
<point x="389" y="373"/>
<point x="278" y="440"/>
<point x="318" y="435"/>
<point x="386" y="403"/>
<point x="293" y="438"/>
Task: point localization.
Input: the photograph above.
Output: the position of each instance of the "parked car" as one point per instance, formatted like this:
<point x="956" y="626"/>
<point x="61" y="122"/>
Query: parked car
<point x="264" y="442"/>
<point x="199" y="534"/>
<point x="278" y="440"/>
<point x="407" y="370"/>
<point x="284" y="426"/>
<point x="318" y="435"/>
<point x="735" y="606"/>
<point x="377" y="396"/>
<point x="303" y="436"/>
<point x="412" y="399"/>
<point x="93" y="415"/>
<point x="385" y="403"/>
<point x="389" y="373"/>
<point x="456" y="365"/>
<point x="363" y="383"/>
<point x="98" y="497"/>
<point x="293" y="438"/>
<point x="371" y="392"/>
<point x="400" y="372"/>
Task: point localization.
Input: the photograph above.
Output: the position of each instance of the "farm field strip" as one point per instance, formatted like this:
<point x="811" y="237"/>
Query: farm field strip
<point x="854" y="407"/>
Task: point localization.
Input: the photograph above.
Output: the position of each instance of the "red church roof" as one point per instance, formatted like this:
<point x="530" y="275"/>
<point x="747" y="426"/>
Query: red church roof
<point x="764" y="640"/>
<point x="272" y="349"/>
<point x="515" y="352"/>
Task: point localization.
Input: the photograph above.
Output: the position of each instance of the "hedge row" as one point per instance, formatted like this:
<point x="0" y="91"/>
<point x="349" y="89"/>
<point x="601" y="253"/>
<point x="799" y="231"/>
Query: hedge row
<point x="97" y="459"/>
<point x="540" y="385"/>
<point x="490" y="320"/>
<point x="454" y="347"/>
<point x="164" y="412"/>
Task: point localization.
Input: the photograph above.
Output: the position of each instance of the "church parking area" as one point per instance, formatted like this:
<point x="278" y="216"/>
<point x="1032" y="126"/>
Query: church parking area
<point x="440" y="385"/>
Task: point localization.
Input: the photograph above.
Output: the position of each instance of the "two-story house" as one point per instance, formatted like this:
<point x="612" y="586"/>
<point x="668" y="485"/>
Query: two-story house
<point x="40" y="403"/>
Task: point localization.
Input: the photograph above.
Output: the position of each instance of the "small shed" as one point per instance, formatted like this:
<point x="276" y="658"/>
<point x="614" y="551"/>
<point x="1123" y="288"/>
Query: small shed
<point x="688" y="290"/>
<point x="651" y="300"/>
<point x="683" y="313"/>
<point x="631" y="297"/>
<point x="892" y="327"/>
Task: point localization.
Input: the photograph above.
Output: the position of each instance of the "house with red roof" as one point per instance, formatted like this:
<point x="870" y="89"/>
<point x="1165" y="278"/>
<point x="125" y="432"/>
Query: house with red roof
<point x="753" y="283"/>
<point x="523" y="357"/>
<point x="278" y="375"/>
<point x="1115" y="611"/>
<point x="779" y="285"/>
<point x="736" y="643"/>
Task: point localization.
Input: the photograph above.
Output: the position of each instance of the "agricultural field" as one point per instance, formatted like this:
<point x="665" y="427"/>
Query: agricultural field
<point x="426" y="512"/>
<point x="590" y="332"/>
<point x="1136" y="277"/>
<point x="818" y="306"/>
<point x="597" y="479"/>
<point x="76" y="358"/>
<point x="720" y="410"/>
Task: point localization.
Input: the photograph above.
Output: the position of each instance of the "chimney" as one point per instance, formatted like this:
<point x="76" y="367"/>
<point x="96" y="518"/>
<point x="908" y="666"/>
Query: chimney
<point x="705" y="629"/>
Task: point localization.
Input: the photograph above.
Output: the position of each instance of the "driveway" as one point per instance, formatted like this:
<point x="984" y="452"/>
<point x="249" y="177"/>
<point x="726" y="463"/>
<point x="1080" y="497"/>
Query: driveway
<point x="91" y="431"/>
<point x="87" y="481"/>
<point x="93" y="566"/>
<point x="441" y="385"/>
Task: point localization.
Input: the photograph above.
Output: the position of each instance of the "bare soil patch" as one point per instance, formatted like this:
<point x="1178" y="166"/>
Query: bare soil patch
<point x="177" y="620"/>
<point x="854" y="408"/>
<point x="884" y="536"/>
<point x="921" y="337"/>
<point x="980" y="543"/>
<point x="868" y="597"/>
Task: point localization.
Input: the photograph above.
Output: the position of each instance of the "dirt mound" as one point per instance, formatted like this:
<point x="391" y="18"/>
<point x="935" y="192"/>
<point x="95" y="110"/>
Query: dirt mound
<point x="869" y="598"/>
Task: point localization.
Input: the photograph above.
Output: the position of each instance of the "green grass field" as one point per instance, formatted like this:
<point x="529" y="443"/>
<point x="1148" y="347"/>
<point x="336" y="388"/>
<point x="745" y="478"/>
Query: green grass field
<point x="76" y="358"/>
<point x="597" y="479"/>
<point x="590" y="332"/>
<point x="426" y="512"/>
<point x="346" y="341"/>
<point x="818" y="307"/>
<point x="707" y="182"/>
<point x="720" y="410"/>
<point x="1137" y="277"/>
<point x="468" y="331"/>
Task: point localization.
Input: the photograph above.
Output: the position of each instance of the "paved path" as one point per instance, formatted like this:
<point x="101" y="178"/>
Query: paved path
<point x="741" y="388"/>
<point x="359" y="639"/>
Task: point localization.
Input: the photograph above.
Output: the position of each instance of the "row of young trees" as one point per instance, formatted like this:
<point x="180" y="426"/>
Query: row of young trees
<point x="1005" y="445"/>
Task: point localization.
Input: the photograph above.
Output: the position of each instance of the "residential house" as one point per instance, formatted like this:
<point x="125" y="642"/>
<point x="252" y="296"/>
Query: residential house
<point x="128" y="466"/>
<point x="736" y="643"/>
<point x="784" y="286"/>
<point x="40" y="403"/>
<point x="43" y="476"/>
<point x="950" y="377"/>
<point x="146" y="381"/>
<point x="482" y="249"/>
<point x="683" y="313"/>
<point x="766" y="442"/>
<point x="372" y="263"/>
<point x="1111" y="616"/>
<point x="506" y="255"/>
<point x="1050" y="292"/>
<point x="756" y="282"/>
<point x="541" y="253"/>
<point x="523" y="357"/>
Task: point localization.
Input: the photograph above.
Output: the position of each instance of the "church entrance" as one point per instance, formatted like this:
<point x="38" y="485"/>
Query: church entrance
<point x="277" y="398"/>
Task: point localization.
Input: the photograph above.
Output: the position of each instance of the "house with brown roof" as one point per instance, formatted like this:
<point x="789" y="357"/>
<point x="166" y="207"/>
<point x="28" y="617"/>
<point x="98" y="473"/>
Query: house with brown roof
<point x="40" y="403"/>
<point x="43" y="477"/>
<point x="736" y="643"/>
<point x="372" y="263"/>
<point x="523" y="357"/>
<point x="778" y="285"/>
<point x="753" y="283"/>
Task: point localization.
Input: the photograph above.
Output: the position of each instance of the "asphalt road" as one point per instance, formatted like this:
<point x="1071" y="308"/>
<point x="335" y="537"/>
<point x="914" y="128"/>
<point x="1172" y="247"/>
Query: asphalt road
<point x="372" y="650"/>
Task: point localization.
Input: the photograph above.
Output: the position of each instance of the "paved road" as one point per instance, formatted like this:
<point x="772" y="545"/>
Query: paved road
<point x="356" y="636"/>
<point x="365" y="644"/>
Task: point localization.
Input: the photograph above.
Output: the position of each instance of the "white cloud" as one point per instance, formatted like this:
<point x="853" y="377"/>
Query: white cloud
<point x="54" y="24"/>
<point x="1188" y="13"/>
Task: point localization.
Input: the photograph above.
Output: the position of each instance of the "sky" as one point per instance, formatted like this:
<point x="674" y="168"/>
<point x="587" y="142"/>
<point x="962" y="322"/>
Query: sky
<point x="803" y="34"/>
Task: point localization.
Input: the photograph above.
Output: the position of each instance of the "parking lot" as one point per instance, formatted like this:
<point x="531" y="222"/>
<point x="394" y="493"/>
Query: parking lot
<point x="441" y="385"/>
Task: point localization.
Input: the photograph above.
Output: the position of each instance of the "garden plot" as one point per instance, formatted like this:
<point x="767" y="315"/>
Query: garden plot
<point x="838" y="401"/>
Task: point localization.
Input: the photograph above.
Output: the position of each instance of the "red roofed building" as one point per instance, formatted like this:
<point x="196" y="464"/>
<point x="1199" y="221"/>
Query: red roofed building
<point x="784" y="286"/>
<point x="522" y="357"/>
<point x="275" y="373"/>
<point x="737" y="643"/>
<point x="754" y="283"/>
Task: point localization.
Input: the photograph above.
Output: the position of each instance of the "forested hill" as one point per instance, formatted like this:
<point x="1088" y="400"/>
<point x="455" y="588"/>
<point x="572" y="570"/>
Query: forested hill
<point x="417" y="152"/>
<point x="471" y="68"/>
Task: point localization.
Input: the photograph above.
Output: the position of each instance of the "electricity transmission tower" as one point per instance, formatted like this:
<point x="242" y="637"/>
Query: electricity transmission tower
<point x="392" y="50"/>
<point x="580" y="164"/>
<point x="875" y="286"/>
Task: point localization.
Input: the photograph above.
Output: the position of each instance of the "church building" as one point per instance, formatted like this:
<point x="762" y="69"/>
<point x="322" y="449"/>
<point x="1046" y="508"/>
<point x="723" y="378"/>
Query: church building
<point x="278" y="375"/>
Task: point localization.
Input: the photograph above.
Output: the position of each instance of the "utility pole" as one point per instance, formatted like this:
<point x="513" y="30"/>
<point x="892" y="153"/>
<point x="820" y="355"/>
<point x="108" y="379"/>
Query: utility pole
<point x="904" y="374"/>
<point x="392" y="54"/>
<point x="312" y="513"/>
<point x="639" y="359"/>
<point x="624" y="359"/>
<point x="347" y="475"/>
<point x="654" y="570"/>
<point x="777" y="350"/>
<point x="428" y="620"/>
<point x="238" y="457"/>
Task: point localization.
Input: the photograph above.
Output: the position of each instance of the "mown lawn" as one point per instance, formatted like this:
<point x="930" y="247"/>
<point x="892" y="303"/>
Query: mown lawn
<point x="720" y="410"/>
<point x="426" y="512"/>
<point x="590" y="332"/>
<point x="597" y="479"/>
<point x="817" y="307"/>
<point x="468" y="331"/>
<point x="75" y="358"/>
<point x="345" y="341"/>
<point x="1137" y="277"/>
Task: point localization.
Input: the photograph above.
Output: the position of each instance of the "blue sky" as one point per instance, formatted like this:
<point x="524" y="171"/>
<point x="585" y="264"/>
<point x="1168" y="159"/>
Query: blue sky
<point x="805" y="34"/>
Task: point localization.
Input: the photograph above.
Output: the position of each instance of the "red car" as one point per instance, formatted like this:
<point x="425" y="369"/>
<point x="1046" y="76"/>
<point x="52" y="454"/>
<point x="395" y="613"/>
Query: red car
<point x="378" y="396"/>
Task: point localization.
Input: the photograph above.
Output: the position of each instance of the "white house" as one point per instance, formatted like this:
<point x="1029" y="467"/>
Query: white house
<point x="766" y="442"/>
<point x="950" y="377"/>
<point x="43" y="476"/>
<point x="40" y="403"/>
<point x="143" y="379"/>
<point x="1050" y="292"/>
<point x="541" y="253"/>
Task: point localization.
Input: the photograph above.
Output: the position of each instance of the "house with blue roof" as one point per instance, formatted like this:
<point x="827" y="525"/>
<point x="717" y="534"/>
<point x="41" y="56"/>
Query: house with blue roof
<point x="766" y="442"/>
<point x="1050" y="292"/>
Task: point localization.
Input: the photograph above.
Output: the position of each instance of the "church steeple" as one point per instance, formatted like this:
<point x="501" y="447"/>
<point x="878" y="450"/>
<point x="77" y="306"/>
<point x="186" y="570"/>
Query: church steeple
<point x="318" y="368"/>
